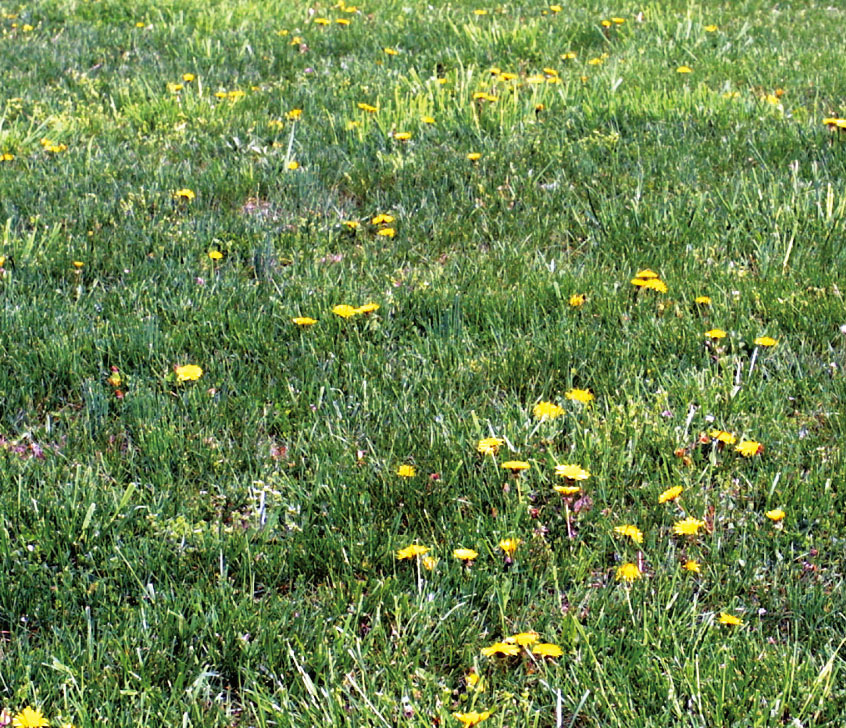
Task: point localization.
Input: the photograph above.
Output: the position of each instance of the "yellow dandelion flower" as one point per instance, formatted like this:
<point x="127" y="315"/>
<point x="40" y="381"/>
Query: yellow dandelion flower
<point x="382" y="219"/>
<point x="656" y="284"/>
<point x="633" y="532"/>
<point x="547" y="410"/>
<point x="580" y="395"/>
<point x="688" y="527"/>
<point x="646" y="274"/>
<point x="188" y="77"/>
<point x="692" y="565"/>
<point x="321" y="21"/>
<point x="293" y="114"/>
<point x="727" y="438"/>
<point x="606" y="23"/>
<point x="730" y="620"/>
<point x="30" y="718"/>
<point x="387" y="232"/>
<point x="547" y="649"/>
<point x="215" y="255"/>
<point x="472" y="718"/>
<point x="429" y="562"/>
<point x="515" y="466"/>
<point x="576" y="300"/>
<point x="351" y="224"/>
<point x="344" y="311"/>
<point x="184" y="194"/>
<point x="567" y="489"/>
<point x="715" y="334"/>
<point x="188" y="373"/>
<point x="618" y="21"/>
<point x="569" y="56"/>
<point x="6" y="157"/>
<point x="776" y="515"/>
<point x="710" y="28"/>
<point x="500" y="649"/>
<point x="670" y="494"/>
<point x="304" y="321"/>
<point x="342" y="21"/>
<point x="292" y="165"/>
<point x="368" y="108"/>
<point x="368" y="308"/>
<point x="409" y="552"/>
<point x="406" y="471"/>
<point x="749" y="448"/>
<point x="684" y="69"/>
<point x="465" y="554"/>
<point x="509" y="545"/>
<point x="390" y="51"/>
<point x="428" y="120"/>
<point x="703" y="300"/>
<point x="76" y="264"/>
<point x="489" y="445"/>
<point x="571" y="472"/>
<point x="474" y="156"/>
<point x="402" y="136"/>
<point x="595" y="62"/>
<point x="524" y="639"/>
<point x="629" y="573"/>
<point x="480" y="12"/>
<point x="556" y="8"/>
<point x="765" y="341"/>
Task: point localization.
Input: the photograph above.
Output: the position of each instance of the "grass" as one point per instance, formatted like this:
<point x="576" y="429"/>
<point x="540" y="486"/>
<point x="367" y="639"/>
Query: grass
<point x="222" y="552"/>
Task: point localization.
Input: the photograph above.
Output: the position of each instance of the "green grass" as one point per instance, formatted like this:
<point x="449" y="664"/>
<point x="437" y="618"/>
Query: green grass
<point x="221" y="552"/>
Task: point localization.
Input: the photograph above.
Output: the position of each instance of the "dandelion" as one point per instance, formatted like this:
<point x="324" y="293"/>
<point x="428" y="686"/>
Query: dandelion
<point x="466" y="555"/>
<point x="654" y="284"/>
<point x="547" y="649"/>
<point x="670" y="494"/>
<point x="749" y="448"/>
<point x="576" y="300"/>
<point x="174" y="88"/>
<point x="547" y="410"/>
<point x="428" y="120"/>
<point x="595" y="62"/>
<point x="472" y="718"/>
<point x="391" y="51"/>
<point x="387" y="232"/>
<point x="382" y="219"/>
<point x="524" y="639"/>
<point x="646" y="274"/>
<point x="569" y="56"/>
<point x="78" y="264"/>
<point x="321" y="21"/>
<point x="409" y="552"/>
<point x="342" y="21"/>
<point x="293" y="114"/>
<point x="765" y="341"/>
<point x="572" y="472"/>
<point x="628" y="573"/>
<point x="633" y="532"/>
<point x="344" y="311"/>
<point x="368" y="108"/>
<point x="688" y="527"/>
<point x="509" y="545"/>
<point x="30" y="718"/>
<point x="292" y="165"/>
<point x="692" y="566"/>
<point x="684" y="69"/>
<point x="406" y="471"/>
<point x="6" y="157"/>
<point x="215" y="255"/>
<point x="703" y="300"/>
<point x="618" y="21"/>
<point x="567" y="490"/>
<point x="710" y="28"/>
<point x="775" y="515"/>
<point x="474" y="156"/>
<point x="730" y="620"/>
<point x="402" y="136"/>
<point x="500" y="649"/>
<point x="489" y="445"/>
<point x="515" y="466"/>
<point x="368" y="308"/>
<point x="188" y="373"/>
<point x="715" y="334"/>
<point x="580" y="395"/>
<point x="556" y="8"/>
<point x="188" y="77"/>
<point x="184" y="194"/>
<point x="726" y="438"/>
<point x="429" y="562"/>
<point x="304" y="321"/>
<point x="480" y="12"/>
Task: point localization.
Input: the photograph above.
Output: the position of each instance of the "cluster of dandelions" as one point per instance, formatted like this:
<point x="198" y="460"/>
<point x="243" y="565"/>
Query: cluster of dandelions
<point x="467" y="556"/>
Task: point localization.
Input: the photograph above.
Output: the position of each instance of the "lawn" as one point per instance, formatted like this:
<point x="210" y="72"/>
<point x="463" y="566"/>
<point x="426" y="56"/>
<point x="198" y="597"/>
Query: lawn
<point x="422" y="365"/>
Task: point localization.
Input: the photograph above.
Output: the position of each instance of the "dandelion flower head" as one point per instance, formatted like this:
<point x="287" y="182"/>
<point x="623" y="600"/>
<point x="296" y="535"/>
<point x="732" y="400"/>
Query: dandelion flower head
<point x="547" y="410"/>
<point x="688" y="527"/>
<point x="633" y="532"/>
<point x="628" y="573"/>
<point x="670" y="494"/>
<point x="409" y="552"/>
